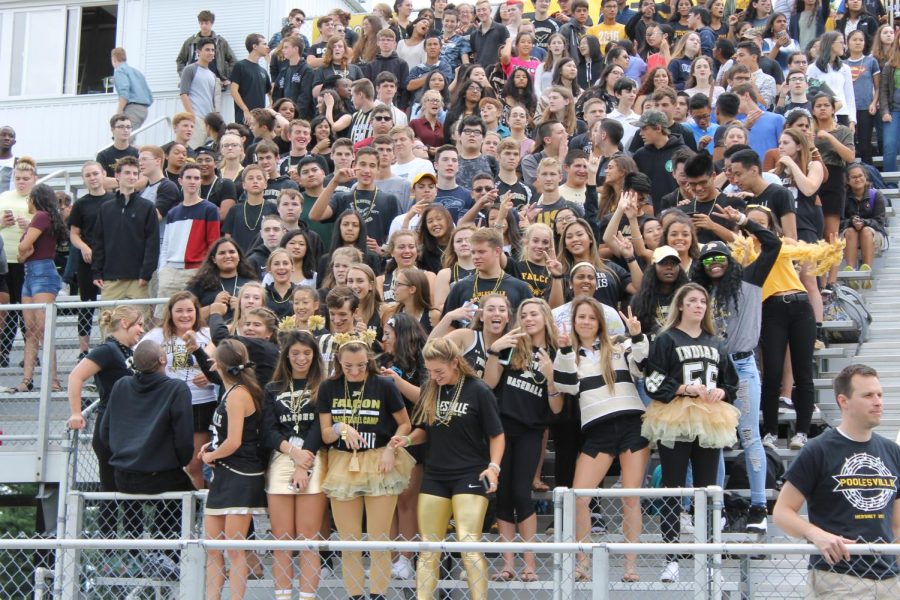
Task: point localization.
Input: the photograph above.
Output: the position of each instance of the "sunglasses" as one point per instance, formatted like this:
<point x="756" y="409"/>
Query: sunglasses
<point x="718" y="259"/>
<point x="381" y="118"/>
<point x="482" y="190"/>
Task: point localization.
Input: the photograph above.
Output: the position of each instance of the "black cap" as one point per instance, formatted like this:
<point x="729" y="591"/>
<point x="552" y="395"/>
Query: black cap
<point x="716" y="247"/>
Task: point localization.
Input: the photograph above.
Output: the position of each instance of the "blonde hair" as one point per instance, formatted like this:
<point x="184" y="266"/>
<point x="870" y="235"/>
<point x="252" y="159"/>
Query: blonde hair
<point x="531" y="230"/>
<point x="443" y="350"/>
<point x="522" y="354"/>
<point x="674" y="318"/>
<point x="111" y="319"/>
<point x="606" y="344"/>
<point x="26" y="163"/>
<point x="234" y="326"/>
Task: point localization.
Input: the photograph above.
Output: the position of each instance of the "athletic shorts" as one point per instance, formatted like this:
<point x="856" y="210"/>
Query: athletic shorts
<point x="447" y="488"/>
<point x="614" y="436"/>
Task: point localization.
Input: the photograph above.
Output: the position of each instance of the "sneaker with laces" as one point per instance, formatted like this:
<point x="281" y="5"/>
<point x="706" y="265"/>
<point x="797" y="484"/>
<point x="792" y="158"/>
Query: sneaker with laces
<point x="770" y="441"/>
<point x="865" y="284"/>
<point x="758" y="520"/>
<point x="402" y="569"/>
<point x="798" y="441"/>
<point x="687" y="523"/>
<point x="670" y="573"/>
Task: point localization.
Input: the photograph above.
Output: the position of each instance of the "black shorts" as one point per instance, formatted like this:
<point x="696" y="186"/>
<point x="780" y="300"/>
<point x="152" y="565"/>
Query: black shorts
<point x="4" y="286"/>
<point x="808" y="235"/>
<point x="203" y="414"/>
<point x="614" y="436"/>
<point x="447" y="488"/>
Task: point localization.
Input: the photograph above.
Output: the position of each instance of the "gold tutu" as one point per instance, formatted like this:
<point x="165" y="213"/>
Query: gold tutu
<point x="343" y="484"/>
<point x="685" y="419"/>
<point x="281" y="469"/>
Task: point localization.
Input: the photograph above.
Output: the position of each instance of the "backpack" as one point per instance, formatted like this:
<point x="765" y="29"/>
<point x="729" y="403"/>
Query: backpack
<point x="736" y="507"/>
<point x="875" y="177"/>
<point x="846" y="304"/>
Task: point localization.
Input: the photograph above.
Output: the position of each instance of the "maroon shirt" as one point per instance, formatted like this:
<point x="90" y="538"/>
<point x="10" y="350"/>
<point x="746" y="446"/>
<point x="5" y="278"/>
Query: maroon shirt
<point x="432" y="138"/>
<point x="45" y="245"/>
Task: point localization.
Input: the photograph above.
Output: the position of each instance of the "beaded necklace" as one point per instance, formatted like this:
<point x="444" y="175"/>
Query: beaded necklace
<point x="443" y="417"/>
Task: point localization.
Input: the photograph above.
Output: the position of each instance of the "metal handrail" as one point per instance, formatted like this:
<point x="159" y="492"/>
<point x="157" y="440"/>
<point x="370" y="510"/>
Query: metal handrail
<point x="59" y="173"/>
<point x="147" y="126"/>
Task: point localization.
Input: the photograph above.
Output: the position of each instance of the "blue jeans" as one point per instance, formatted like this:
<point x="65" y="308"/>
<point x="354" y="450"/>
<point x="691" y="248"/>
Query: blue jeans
<point x="747" y="401"/>
<point x="891" y="142"/>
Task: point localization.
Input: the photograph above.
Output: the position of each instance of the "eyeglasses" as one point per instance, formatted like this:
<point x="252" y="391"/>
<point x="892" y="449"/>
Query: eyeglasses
<point x="395" y="284"/>
<point x="797" y="80"/>
<point x="471" y="132"/>
<point x="698" y="185"/>
<point x="718" y="259"/>
<point x="123" y="127"/>
<point x="382" y="119"/>
<point x="482" y="190"/>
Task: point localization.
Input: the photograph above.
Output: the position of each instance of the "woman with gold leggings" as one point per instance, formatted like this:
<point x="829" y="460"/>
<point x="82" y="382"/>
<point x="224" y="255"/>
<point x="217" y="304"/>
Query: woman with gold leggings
<point x="457" y="415"/>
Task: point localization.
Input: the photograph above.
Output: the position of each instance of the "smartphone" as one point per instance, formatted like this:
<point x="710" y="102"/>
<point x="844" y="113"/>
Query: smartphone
<point x="689" y="208"/>
<point x="505" y="357"/>
<point x="486" y="483"/>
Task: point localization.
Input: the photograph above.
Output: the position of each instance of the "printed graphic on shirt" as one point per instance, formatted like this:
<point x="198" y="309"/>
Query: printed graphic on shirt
<point x="867" y="484"/>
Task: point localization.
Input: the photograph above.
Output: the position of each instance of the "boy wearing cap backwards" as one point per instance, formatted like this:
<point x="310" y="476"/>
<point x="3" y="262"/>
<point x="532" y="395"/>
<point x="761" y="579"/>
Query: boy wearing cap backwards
<point x="424" y="190"/>
<point x="736" y="296"/>
<point x="655" y="157"/>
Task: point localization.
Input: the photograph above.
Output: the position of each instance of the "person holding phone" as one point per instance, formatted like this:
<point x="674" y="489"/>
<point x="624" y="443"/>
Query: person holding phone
<point x="457" y="416"/>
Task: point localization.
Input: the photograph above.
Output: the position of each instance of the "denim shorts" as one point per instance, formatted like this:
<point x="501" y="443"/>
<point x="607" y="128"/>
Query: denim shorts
<point x="41" y="278"/>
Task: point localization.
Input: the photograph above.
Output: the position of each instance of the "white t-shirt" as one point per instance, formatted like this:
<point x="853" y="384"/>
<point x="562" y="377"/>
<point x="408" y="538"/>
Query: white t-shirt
<point x="397" y="223"/>
<point x="562" y="315"/>
<point x="409" y="170"/>
<point x="183" y="366"/>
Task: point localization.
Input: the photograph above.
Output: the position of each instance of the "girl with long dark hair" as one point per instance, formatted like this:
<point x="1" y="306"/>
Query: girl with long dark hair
<point x="654" y="79"/>
<point x="808" y="21"/>
<point x="238" y="487"/>
<point x="221" y="275"/>
<point x="556" y="51"/>
<point x="591" y="63"/>
<point x="435" y="230"/>
<point x="350" y="231"/>
<point x="299" y="247"/>
<point x="519" y="91"/>
<point x="830" y="69"/>
<point x="403" y="250"/>
<point x="565" y="75"/>
<point x="290" y="429"/>
<point x="412" y="295"/>
<point x="866" y="88"/>
<point x="457" y="416"/>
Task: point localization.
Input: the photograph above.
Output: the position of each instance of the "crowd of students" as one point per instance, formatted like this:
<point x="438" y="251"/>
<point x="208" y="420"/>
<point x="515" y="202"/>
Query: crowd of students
<point x="472" y="232"/>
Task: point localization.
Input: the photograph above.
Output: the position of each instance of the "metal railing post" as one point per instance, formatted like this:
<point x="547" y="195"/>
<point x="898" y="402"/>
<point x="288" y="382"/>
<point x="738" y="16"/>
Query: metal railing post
<point x="567" y="585"/>
<point x="718" y="502"/>
<point x="558" y="516"/>
<point x="69" y="585"/>
<point x="193" y="571"/>
<point x="701" y="535"/>
<point x="600" y="568"/>
<point x="47" y="356"/>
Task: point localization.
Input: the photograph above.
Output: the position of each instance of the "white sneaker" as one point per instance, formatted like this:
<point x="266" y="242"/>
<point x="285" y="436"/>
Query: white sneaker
<point x="670" y="573"/>
<point x="687" y="524"/>
<point x="798" y="441"/>
<point x="326" y="572"/>
<point x="402" y="569"/>
<point x="771" y="441"/>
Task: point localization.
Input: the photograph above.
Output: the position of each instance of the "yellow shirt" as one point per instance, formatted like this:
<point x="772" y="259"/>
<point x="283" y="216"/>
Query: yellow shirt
<point x="11" y="236"/>
<point x="782" y="278"/>
<point x="607" y="33"/>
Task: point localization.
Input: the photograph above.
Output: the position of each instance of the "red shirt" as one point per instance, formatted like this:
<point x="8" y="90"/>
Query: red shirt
<point x="432" y="138"/>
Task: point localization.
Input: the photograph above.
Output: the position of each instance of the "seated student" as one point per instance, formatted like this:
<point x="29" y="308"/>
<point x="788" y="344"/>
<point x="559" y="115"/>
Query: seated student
<point x="863" y="225"/>
<point x="700" y="124"/>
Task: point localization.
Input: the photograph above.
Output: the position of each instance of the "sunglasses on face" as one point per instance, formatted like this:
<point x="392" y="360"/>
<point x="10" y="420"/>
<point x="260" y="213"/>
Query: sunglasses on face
<point x="719" y="259"/>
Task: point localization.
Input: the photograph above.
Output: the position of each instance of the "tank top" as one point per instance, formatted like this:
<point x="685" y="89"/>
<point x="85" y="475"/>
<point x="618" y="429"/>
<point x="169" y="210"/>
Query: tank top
<point x="476" y="355"/>
<point x="247" y="459"/>
<point x="387" y="289"/>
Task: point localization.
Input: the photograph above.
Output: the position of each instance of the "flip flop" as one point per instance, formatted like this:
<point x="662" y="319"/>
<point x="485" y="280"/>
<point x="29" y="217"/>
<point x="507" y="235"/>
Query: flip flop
<point x="504" y="575"/>
<point x="631" y="577"/>
<point x="528" y="576"/>
<point x="539" y="486"/>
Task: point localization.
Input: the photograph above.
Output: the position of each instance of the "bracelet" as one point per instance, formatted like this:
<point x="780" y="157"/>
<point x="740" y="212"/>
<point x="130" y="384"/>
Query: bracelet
<point x="554" y="394"/>
<point x="494" y="467"/>
<point x="497" y="226"/>
<point x="336" y="428"/>
<point x="492" y="352"/>
<point x="557" y="276"/>
<point x="631" y="259"/>
<point x="408" y="440"/>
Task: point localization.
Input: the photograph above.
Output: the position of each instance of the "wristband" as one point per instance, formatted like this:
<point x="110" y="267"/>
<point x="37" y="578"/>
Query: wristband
<point x="557" y="276"/>
<point x="494" y="467"/>
<point x="408" y="440"/>
<point x="631" y="259"/>
<point x="743" y="220"/>
<point x="554" y="394"/>
<point x="336" y="428"/>
<point x="492" y="352"/>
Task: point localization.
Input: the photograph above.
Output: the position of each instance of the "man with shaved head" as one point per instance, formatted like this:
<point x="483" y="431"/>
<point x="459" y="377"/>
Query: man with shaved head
<point x="148" y="427"/>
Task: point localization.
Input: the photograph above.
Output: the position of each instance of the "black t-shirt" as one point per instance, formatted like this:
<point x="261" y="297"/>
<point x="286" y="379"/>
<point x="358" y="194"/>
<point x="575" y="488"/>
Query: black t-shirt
<point x="282" y="306"/>
<point x="217" y="191"/>
<point x="523" y="394"/>
<point x="542" y="32"/>
<point x="469" y="289"/>
<point x="84" y="215"/>
<point x="778" y="199"/>
<point x="372" y="415"/>
<point x="108" y="157"/>
<point x="537" y="277"/>
<point x="678" y="359"/>
<point x="458" y="443"/>
<point x="290" y="413"/>
<point x="243" y="221"/>
<point x="548" y="212"/>
<point x="610" y="286"/>
<point x="232" y="285"/>
<point x="378" y="216"/>
<point x="317" y="50"/>
<point x="705" y="236"/>
<point x="114" y="361"/>
<point x="253" y="82"/>
<point x="851" y="490"/>
<point x="519" y="193"/>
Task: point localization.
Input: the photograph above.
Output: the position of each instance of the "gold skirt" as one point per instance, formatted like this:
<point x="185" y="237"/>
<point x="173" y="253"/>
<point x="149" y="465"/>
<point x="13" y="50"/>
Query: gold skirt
<point x="365" y="480"/>
<point x="685" y="419"/>
<point x="281" y="469"/>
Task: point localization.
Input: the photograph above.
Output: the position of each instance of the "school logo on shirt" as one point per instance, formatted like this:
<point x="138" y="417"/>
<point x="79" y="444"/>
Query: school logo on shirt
<point x="668" y="166"/>
<point x="867" y="484"/>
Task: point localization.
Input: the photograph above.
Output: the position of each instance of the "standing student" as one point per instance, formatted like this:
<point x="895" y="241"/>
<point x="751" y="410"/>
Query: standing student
<point x="198" y="88"/>
<point x="296" y="467"/>
<point x="121" y="128"/>
<point x="131" y="86"/>
<point x="243" y="221"/>
<point x="692" y="382"/>
<point x="365" y="474"/>
<point x="250" y="83"/>
<point x="457" y="416"/>
<point x="237" y="490"/>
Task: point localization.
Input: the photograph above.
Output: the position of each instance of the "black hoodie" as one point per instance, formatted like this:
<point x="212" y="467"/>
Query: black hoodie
<point x="296" y="82"/>
<point x="656" y="163"/>
<point x="148" y="424"/>
<point x="392" y="64"/>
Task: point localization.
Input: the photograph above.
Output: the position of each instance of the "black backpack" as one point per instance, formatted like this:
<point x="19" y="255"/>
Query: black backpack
<point x="736" y="506"/>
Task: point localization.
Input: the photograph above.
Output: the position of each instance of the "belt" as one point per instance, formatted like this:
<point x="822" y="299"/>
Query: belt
<point x="788" y="298"/>
<point x="138" y="104"/>
<point x="742" y="355"/>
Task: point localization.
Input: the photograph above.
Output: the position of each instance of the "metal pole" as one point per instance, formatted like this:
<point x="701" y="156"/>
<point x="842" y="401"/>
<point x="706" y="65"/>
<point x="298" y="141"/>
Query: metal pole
<point x="718" y="500"/>
<point x="567" y="585"/>
<point x="70" y="584"/>
<point x="701" y="534"/>
<point x="600" y="566"/>
<point x="47" y="358"/>
<point x="193" y="571"/>
<point x="558" y="516"/>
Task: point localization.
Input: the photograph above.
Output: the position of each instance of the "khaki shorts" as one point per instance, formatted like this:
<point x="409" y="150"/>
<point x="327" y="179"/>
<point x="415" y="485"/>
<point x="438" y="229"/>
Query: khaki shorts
<point x="824" y="584"/>
<point x="171" y="281"/>
<point x="124" y="289"/>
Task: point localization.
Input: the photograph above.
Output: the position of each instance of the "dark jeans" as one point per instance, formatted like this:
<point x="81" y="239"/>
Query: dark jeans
<point x="15" y="279"/>
<point x="108" y="517"/>
<point x="87" y="291"/>
<point x="865" y="124"/>
<point x="787" y="324"/>
<point x="168" y="512"/>
<point x="674" y="462"/>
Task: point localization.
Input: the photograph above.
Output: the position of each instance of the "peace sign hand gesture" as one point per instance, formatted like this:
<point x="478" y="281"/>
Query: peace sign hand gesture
<point x="563" y="340"/>
<point x="631" y="323"/>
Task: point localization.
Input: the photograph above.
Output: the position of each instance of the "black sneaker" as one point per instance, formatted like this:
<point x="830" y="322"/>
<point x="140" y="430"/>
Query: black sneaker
<point x="757" y="520"/>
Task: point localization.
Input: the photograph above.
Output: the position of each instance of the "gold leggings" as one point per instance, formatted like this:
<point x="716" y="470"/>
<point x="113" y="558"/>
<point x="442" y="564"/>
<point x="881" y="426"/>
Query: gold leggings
<point x="348" y="516"/>
<point x="434" y="513"/>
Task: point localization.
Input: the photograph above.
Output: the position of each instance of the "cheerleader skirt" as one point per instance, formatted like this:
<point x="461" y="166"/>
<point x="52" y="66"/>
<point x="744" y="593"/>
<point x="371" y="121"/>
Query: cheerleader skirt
<point x="281" y="470"/>
<point x="355" y="474"/>
<point x="235" y="492"/>
<point x="686" y="418"/>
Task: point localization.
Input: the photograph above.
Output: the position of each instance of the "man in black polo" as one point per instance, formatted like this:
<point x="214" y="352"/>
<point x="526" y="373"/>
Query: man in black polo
<point x="488" y="37"/>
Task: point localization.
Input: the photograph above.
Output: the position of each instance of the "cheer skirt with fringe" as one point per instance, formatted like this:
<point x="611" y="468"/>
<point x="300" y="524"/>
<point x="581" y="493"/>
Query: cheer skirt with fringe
<point x="343" y="484"/>
<point x="685" y="419"/>
<point x="281" y="470"/>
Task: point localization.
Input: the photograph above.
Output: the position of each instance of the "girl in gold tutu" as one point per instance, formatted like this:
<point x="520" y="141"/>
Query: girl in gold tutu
<point x="359" y="412"/>
<point x="693" y="384"/>
<point x="296" y="469"/>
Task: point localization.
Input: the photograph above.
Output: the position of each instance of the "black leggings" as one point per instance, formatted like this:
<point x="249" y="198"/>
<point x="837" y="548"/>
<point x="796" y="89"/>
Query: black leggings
<point x="520" y="460"/>
<point x="787" y="324"/>
<point x="108" y="515"/>
<point x="674" y="462"/>
<point x="15" y="279"/>
<point x="865" y="123"/>
<point x="88" y="292"/>
<point x="566" y="445"/>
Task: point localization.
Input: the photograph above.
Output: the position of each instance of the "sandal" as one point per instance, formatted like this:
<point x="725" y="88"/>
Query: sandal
<point x="26" y="385"/>
<point x="631" y="577"/>
<point x="504" y="575"/>
<point x="582" y="574"/>
<point x="528" y="576"/>
<point x="539" y="486"/>
<point x="56" y="386"/>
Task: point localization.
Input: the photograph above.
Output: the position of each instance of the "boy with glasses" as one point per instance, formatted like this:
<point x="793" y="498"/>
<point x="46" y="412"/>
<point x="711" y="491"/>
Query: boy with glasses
<point x="120" y="125"/>
<point x="471" y="159"/>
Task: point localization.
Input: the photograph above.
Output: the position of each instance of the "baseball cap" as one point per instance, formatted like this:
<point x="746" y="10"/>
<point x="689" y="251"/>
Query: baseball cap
<point x="664" y="252"/>
<point x="422" y="176"/>
<point x="653" y="118"/>
<point x="716" y="247"/>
